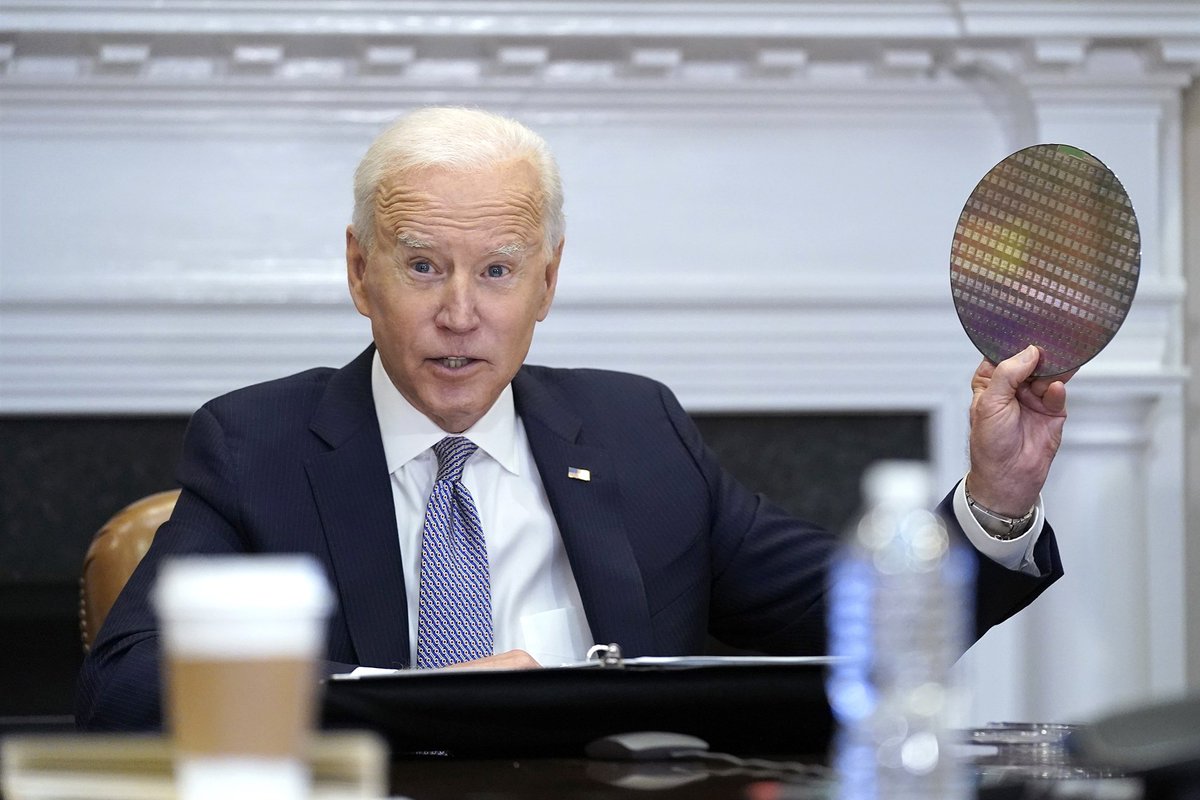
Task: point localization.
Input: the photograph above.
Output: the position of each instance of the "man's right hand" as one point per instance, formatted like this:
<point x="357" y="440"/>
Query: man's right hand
<point x="513" y="659"/>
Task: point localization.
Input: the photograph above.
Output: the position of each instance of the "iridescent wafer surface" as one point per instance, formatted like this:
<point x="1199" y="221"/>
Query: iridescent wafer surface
<point x="1046" y="252"/>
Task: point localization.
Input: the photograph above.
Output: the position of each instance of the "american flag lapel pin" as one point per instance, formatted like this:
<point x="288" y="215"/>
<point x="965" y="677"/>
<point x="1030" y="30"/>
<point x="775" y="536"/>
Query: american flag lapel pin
<point x="579" y="474"/>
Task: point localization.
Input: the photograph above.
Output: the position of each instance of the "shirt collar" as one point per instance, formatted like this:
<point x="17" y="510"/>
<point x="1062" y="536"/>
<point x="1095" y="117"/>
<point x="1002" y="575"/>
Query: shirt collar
<point x="407" y="433"/>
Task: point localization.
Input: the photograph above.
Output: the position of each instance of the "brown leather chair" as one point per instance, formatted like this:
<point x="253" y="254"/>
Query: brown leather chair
<point x="115" y="552"/>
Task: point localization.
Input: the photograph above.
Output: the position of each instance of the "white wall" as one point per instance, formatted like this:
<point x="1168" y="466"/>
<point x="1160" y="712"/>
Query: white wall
<point x="1192" y="416"/>
<point x="760" y="199"/>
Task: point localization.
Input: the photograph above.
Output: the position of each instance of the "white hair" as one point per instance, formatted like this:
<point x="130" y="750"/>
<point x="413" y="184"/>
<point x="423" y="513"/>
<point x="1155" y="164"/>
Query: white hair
<point x="460" y="139"/>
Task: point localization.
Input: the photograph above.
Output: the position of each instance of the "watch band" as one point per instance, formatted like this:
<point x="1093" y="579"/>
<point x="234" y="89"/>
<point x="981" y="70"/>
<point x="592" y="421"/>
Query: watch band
<point x="996" y="525"/>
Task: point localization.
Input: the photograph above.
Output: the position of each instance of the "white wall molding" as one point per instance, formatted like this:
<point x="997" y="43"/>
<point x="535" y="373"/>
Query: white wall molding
<point x="618" y="18"/>
<point x="192" y="62"/>
<point x="722" y="345"/>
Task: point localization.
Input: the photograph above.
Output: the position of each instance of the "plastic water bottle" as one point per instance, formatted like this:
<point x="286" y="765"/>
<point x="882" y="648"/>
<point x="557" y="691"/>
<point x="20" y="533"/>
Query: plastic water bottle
<point x="900" y="600"/>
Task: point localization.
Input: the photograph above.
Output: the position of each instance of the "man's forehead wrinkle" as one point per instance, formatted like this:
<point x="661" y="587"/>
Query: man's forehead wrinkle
<point x="415" y="224"/>
<point x="398" y="200"/>
<point x="519" y="208"/>
<point x="395" y="205"/>
<point x="392" y="193"/>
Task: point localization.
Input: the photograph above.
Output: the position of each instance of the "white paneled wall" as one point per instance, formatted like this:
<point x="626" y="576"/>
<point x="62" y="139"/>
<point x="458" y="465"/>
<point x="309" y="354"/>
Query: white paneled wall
<point x="760" y="197"/>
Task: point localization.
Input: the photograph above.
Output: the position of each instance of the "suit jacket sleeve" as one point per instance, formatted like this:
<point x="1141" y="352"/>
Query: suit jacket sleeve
<point x="119" y="684"/>
<point x="769" y="570"/>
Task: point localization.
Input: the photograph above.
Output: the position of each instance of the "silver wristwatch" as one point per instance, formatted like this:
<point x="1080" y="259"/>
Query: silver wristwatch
<point x="996" y="525"/>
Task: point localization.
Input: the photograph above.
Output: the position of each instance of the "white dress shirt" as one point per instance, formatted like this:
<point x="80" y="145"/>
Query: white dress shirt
<point x="535" y="600"/>
<point x="1016" y="554"/>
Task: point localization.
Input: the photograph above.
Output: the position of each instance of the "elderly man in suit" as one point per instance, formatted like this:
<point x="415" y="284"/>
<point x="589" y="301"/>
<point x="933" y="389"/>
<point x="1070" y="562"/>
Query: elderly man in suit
<point x="472" y="509"/>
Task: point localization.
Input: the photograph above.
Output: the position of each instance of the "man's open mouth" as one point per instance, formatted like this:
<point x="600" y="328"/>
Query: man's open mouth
<point x="454" y="362"/>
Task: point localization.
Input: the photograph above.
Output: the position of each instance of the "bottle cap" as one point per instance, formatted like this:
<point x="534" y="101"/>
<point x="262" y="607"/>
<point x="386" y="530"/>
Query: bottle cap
<point x="899" y="483"/>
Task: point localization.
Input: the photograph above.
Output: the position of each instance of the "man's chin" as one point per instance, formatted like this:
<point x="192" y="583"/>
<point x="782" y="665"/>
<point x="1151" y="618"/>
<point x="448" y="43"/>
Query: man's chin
<point x="457" y="416"/>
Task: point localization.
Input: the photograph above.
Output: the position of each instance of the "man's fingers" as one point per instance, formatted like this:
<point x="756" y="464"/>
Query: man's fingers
<point x="985" y="369"/>
<point x="1054" y="399"/>
<point x="1041" y="384"/>
<point x="1015" y="370"/>
<point x="1012" y="379"/>
<point x="512" y="659"/>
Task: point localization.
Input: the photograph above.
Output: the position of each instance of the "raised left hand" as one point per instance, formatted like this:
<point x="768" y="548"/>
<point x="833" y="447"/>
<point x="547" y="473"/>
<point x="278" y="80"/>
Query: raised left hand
<point x="1016" y="428"/>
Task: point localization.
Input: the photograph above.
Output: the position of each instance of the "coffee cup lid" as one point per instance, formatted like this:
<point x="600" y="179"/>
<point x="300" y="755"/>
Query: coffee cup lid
<point x="242" y="585"/>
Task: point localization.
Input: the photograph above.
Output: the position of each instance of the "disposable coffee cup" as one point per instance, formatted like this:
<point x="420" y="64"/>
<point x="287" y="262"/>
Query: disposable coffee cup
<point x="241" y="638"/>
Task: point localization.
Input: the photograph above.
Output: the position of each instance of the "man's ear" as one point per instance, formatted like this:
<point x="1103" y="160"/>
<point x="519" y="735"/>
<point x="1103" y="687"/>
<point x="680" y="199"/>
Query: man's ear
<point x="356" y="272"/>
<point x="551" y="280"/>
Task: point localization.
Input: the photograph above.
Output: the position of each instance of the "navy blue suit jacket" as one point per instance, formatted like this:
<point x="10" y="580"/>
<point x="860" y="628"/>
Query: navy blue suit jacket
<point x="665" y="546"/>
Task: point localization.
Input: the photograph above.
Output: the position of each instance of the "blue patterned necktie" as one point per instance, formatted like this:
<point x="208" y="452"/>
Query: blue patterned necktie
<point x="455" y="609"/>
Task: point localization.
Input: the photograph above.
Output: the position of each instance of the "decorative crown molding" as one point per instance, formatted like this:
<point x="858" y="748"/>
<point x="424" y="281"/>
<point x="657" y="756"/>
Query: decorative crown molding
<point x="311" y="60"/>
<point x="771" y="19"/>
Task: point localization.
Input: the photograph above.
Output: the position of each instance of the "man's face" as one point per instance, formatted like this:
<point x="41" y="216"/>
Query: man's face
<point x="457" y="279"/>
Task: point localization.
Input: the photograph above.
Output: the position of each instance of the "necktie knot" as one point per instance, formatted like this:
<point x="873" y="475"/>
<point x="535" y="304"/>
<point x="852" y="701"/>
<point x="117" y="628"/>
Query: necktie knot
<point x="452" y="454"/>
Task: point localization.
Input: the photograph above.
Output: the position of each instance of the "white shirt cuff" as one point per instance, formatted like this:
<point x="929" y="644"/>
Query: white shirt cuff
<point x="1016" y="554"/>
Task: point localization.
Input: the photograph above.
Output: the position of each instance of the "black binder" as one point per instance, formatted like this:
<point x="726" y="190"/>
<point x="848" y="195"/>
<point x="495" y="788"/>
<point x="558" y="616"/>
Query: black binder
<point x="747" y="706"/>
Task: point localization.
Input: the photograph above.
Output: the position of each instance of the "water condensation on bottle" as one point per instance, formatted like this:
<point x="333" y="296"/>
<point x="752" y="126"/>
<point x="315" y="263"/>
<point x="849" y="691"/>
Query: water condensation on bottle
<point x="901" y="598"/>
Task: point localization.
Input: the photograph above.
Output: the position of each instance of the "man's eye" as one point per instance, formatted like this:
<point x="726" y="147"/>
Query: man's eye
<point x="496" y="271"/>
<point x="422" y="266"/>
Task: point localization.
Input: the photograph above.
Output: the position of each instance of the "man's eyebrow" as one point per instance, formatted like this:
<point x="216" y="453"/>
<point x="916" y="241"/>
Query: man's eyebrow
<point x="510" y="249"/>
<point x="409" y="240"/>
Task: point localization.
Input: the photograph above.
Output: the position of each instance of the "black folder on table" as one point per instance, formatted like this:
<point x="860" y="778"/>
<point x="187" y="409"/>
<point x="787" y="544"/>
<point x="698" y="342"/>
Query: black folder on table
<point x="749" y="706"/>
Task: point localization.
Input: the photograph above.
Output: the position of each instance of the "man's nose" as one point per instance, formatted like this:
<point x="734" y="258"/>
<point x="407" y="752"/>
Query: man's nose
<point x="458" y="311"/>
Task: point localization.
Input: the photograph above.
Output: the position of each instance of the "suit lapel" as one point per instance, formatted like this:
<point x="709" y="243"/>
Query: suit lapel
<point x="352" y="489"/>
<point x="594" y="534"/>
